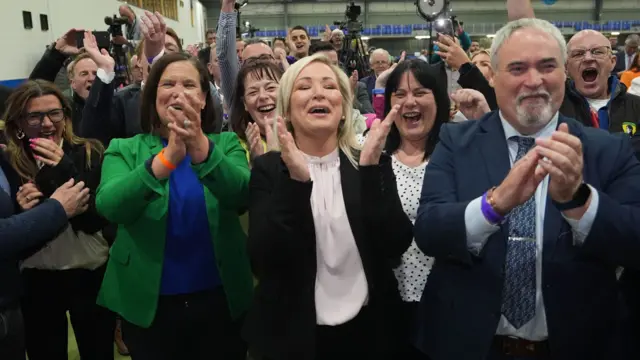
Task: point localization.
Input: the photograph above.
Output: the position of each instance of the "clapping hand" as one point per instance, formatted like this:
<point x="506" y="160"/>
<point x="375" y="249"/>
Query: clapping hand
<point x="291" y="155"/>
<point x="186" y="122"/>
<point x="100" y="56"/>
<point x="377" y="137"/>
<point x="73" y="198"/>
<point x="353" y="81"/>
<point x="561" y="156"/>
<point x="28" y="196"/>
<point x="254" y="139"/>
<point x="47" y="151"/>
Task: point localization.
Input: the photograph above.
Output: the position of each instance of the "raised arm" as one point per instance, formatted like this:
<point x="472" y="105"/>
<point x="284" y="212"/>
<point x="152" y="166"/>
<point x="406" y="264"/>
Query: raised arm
<point x="226" y="50"/>
<point x="519" y="9"/>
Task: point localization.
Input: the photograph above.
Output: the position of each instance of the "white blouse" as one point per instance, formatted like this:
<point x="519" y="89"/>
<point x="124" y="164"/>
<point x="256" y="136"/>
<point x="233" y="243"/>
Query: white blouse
<point x="341" y="288"/>
<point x="416" y="266"/>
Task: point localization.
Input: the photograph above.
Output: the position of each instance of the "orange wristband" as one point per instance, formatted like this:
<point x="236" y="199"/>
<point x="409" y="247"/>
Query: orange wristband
<point x="166" y="162"/>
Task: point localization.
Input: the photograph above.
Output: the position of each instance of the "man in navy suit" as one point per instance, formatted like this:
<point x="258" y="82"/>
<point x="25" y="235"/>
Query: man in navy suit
<point x="624" y="59"/>
<point x="527" y="239"/>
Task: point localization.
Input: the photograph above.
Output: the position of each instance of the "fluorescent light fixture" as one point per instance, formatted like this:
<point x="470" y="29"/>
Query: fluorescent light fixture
<point x="422" y="37"/>
<point x="365" y="38"/>
<point x="491" y="36"/>
<point x="615" y="33"/>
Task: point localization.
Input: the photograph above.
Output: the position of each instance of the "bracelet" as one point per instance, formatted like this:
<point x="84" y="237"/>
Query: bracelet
<point x="168" y="164"/>
<point x="487" y="207"/>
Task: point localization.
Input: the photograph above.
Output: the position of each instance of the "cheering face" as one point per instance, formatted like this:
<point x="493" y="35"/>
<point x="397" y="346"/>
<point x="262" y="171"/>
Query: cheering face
<point x="529" y="85"/>
<point x="301" y="42"/>
<point x="417" y="108"/>
<point x="44" y="118"/>
<point x="590" y="63"/>
<point x="316" y="101"/>
<point x="259" y="98"/>
<point x="180" y="78"/>
<point x="84" y="73"/>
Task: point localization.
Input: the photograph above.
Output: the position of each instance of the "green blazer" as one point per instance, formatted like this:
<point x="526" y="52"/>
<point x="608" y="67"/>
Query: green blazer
<point x="135" y="200"/>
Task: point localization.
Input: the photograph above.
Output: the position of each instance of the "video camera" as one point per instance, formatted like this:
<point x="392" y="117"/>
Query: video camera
<point x="115" y="24"/>
<point x="351" y="23"/>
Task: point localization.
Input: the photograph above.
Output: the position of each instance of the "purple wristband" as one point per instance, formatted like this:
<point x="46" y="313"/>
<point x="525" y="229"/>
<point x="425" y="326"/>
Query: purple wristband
<point x="489" y="213"/>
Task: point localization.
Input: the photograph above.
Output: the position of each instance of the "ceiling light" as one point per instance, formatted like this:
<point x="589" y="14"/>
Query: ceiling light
<point x="491" y="36"/>
<point x="365" y="38"/>
<point x="422" y="37"/>
<point x="615" y="33"/>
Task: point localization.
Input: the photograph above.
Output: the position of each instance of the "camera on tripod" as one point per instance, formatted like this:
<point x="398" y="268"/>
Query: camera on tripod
<point x="115" y="24"/>
<point x="352" y="55"/>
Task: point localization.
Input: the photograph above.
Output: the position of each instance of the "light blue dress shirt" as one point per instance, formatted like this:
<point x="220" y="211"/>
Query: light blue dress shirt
<point x="4" y="183"/>
<point x="479" y="230"/>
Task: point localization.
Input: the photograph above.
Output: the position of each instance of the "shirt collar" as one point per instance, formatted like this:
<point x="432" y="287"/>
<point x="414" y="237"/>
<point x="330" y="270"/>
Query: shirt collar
<point x="547" y="131"/>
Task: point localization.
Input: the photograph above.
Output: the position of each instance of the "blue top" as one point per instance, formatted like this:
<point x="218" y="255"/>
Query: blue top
<point x="189" y="259"/>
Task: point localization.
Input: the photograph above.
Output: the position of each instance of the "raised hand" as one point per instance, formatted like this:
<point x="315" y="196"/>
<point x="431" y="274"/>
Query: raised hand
<point x="73" y="198"/>
<point x="28" y="196"/>
<point x="471" y="103"/>
<point x="353" y="81"/>
<point x="561" y="156"/>
<point x="451" y="52"/>
<point x="154" y="29"/>
<point x="327" y="33"/>
<point x="376" y="138"/>
<point x="291" y="155"/>
<point x="46" y="151"/>
<point x="67" y="44"/>
<point x="100" y="56"/>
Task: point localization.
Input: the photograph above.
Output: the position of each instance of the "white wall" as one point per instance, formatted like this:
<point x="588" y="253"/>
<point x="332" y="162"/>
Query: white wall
<point x="27" y="46"/>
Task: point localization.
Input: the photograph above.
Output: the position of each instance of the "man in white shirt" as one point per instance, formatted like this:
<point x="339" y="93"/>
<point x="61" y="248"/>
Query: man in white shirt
<point x="526" y="239"/>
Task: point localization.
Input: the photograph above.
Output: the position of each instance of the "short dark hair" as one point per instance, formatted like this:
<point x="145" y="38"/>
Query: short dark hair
<point x="279" y="39"/>
<point x="240" y="118"/>
<point x="175" y="37"/>
<point x="209" y="31"/>
<point x="428" y="77"/>
<point x="149" y="119"/>
<point x="299" y="27"/>
<point x="254" y="41"/>
<point x="321" y="46"/>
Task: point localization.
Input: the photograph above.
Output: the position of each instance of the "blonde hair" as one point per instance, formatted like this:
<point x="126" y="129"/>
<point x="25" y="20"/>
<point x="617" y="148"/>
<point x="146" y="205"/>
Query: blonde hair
<point x="346" y="133"/>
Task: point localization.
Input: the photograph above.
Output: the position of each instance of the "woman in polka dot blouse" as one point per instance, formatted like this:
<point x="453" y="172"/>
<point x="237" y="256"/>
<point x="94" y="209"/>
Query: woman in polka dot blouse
<point x="424" y="108"/>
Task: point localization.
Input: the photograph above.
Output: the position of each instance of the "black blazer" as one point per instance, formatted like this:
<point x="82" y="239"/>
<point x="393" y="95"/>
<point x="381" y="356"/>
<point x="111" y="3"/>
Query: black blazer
<point x="282" y="249"/>
<point x="73" y="165"/>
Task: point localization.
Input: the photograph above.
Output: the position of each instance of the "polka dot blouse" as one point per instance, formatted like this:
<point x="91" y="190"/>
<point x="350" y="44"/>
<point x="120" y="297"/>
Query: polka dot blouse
<point x="415" y="266"/>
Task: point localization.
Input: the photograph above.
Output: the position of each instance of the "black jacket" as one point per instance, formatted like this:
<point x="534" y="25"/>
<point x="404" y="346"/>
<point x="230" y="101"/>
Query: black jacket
<point x="471" y="79"/>
<point x="21" y="233"/>
<point x="282" y="247"/>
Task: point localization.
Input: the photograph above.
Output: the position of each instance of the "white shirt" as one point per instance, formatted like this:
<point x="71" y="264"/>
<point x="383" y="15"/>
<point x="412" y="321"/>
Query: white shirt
<point x="415" y="266"/>
<point x="597" y="104"/>
<point x="341" y="288"/>
<point x="479" y="230"/>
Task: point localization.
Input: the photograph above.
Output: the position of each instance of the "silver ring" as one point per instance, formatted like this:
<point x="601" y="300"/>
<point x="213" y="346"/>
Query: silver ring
<point x="186" y="123"/>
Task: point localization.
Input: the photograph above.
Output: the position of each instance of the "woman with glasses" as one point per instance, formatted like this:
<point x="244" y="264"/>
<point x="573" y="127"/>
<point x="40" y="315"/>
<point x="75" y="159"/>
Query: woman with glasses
<point x="66" y="274"/>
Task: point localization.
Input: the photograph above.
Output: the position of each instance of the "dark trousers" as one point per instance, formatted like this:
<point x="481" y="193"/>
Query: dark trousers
<point x="11" y="334"/>
<point x="497" y="354"/>
<point x="49" y="295"/>
<point x="351" y="340"/>
<point x="192" y="326"/>
<point x="408" y="351"/>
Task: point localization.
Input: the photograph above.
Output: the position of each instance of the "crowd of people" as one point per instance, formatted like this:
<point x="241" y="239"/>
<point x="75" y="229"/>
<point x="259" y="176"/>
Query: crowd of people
<point x="254" y="201"/>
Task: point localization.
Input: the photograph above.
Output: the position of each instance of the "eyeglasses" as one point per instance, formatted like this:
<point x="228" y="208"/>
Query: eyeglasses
<point x="380" y="62"/>
<point x="263" y="57"/>
<point x="35" y="119"/>
<point x="599" y="52"/>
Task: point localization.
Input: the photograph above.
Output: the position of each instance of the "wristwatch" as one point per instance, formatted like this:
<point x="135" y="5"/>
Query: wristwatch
<point x="579" y="199"/>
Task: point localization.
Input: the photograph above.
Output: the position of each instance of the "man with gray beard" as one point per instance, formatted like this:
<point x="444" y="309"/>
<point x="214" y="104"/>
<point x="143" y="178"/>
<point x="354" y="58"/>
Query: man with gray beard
<point x="528" y="214"/>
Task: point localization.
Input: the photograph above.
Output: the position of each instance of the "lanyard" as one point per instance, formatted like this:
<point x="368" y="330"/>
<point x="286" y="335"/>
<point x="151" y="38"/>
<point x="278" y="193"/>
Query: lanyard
<point x="594" y="118"/>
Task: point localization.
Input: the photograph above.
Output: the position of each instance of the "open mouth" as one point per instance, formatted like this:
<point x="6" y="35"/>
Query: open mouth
<point x="319" y="110"/>
<point x="47" y="134"/>
<point x="589" y="75"/>
<point x="176" y="107"/>
<point x="412" y="117"/>
<point x="299" y="46"/>
<point x="266" y="108"/>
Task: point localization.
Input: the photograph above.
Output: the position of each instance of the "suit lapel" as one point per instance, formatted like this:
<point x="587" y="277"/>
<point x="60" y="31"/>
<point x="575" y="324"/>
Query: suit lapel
<point x="493" y="146"/>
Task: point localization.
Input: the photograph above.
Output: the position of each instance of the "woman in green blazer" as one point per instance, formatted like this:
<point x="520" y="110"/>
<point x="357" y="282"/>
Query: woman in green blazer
<point x="178" y="274"/>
